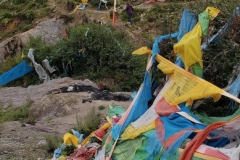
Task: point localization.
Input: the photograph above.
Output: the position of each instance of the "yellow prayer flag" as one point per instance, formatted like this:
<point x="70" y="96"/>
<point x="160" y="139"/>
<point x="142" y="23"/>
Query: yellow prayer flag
<point x="132" y="132"/>
<point x="166" y="69"/>
<point x="213" y="12"/>
<point x="85" y="2"/>
<point x="69" y="138"/>
<point x="87" y="140"/>
<point x="23" y="55"/>
<point x="185" y="86"/>
<point x="61" y="157"/>
<point x="189" y="47"/>
<point x="142" y="50"/>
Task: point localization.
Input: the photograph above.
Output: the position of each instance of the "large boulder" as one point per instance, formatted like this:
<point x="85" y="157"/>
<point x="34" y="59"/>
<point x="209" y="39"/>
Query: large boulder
<point x="50" y="30"/>
<point x="17" y="96"/>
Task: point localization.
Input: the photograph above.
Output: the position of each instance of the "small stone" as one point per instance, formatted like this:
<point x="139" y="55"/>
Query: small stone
<point x="23" y="125"/>
<point x="5" y="152"/>
<point x="42" y="143"/>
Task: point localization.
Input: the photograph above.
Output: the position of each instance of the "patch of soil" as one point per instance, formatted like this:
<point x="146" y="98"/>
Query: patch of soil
<point x="11" y="25"/>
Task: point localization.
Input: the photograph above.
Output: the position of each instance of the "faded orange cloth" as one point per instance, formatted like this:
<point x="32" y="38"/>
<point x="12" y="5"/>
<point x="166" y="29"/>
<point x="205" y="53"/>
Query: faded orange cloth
<point x="198" y="140"/>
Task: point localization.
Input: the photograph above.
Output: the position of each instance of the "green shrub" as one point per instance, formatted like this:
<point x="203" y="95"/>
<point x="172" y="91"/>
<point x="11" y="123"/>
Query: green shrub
<point x="89" y="123"/>
<point x="26" y="15"/>
<point x="9" y="63"/>
<point x="25" y="27"/>
<point x="107" y="55"/>
<point x="68" y="150"/>
<point x="24" y="11"/>
<point x="11" y="113"/>
<point x="53" y="141"/>
<point x="101" y="107"/>
<point x="164" y="19"/>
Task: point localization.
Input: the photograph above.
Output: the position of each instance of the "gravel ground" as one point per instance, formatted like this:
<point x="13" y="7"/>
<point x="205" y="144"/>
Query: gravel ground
<point x="23" y="142"/>
<point x="56" y="115"/>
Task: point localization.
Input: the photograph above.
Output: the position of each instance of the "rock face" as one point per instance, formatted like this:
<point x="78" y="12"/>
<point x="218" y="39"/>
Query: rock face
<point x="10" y="47"/>
<point x="16" y="96"/>
<point x="48" y="103"/>
<point x="50" y="30"/>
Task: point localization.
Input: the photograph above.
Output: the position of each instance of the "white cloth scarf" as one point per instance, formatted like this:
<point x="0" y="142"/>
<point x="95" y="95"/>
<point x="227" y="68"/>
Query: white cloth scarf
<point x="38" y="68"/>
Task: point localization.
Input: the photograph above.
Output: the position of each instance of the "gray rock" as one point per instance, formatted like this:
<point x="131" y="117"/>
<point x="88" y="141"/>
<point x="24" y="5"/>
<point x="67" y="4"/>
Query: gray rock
<point x="50" y="30"/>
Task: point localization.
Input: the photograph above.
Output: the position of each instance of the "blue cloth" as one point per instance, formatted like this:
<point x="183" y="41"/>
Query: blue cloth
<point x="179" y="62"/>
<point x="187" y="23"/>
<point x="139" y="107"/>
<point x="155" y="47"/>
<point x="133" y="95"/>
<point x="234" y="88"/>
<point x="220" y="142"/>
<point x="145" y="94"/>
<point x="141" y="104"/>
<point x="82" y="7"/>
<point x="16" y="72"/>
<point x="78" y="135"/>
<point x="99" y="5"/>
<point x="58" y="152"/>
<point x="237" y="11"/>
<point x="176" y="123"/>
<point x="153" y="146"/>
<point x="215" y="38"/>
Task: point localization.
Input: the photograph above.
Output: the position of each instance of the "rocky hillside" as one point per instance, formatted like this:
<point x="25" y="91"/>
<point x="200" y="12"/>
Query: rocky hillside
<point x="51" y="26"/>
<point x="55" y="104"/>
<point x="55" y="107"/>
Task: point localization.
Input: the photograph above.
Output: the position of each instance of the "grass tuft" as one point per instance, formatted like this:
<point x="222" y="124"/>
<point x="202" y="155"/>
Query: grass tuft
<point x="20" y="113"/>
<point x="101" y="107"/>
<point x="89" y="123"/>
<point x="53" y="141"/>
